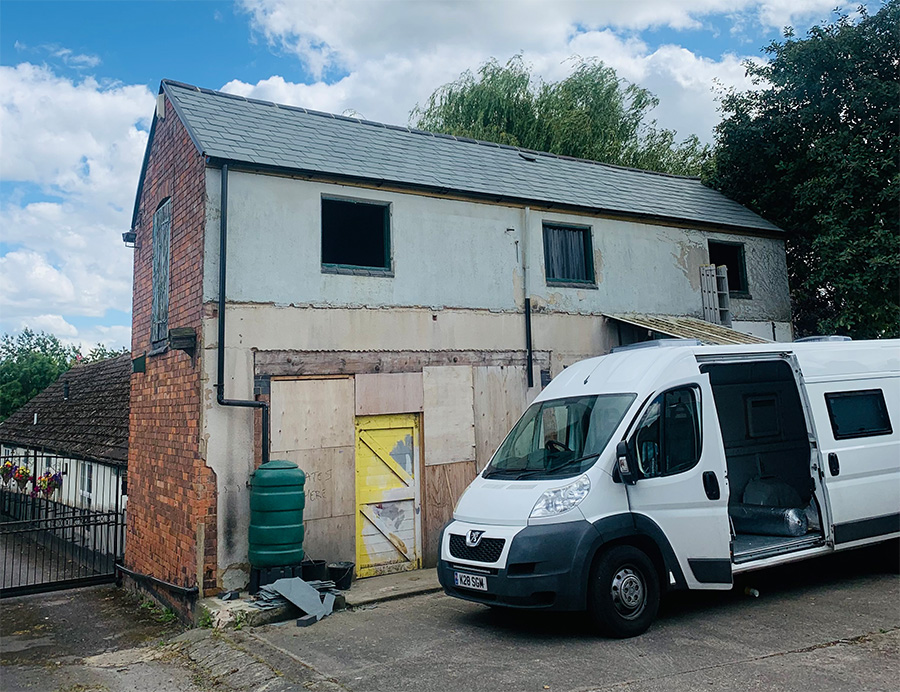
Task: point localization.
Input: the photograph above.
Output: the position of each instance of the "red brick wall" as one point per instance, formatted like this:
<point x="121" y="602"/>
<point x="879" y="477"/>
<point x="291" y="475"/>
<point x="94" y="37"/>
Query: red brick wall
<point x="171" y="491"/>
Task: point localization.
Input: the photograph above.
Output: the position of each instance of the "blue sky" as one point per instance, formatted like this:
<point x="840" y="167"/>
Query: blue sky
<point x="77" y="82"/>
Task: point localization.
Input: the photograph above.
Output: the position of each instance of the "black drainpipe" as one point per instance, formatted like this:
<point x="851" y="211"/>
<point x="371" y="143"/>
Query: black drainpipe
<point x="529" y="352"/>
<point x="220" y="387"/>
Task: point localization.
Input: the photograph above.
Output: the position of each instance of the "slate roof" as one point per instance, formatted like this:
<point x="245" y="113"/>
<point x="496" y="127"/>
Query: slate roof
<point x="92" y="424"/>
<point x="229" y="128"/>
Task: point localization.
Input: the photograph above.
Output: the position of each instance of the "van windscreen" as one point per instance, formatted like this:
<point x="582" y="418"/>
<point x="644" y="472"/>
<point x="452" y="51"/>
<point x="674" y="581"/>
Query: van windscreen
<point x="559" y="438"/>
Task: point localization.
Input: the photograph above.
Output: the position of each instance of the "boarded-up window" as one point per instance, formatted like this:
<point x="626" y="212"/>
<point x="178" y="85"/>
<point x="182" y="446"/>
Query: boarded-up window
<point x="162" y="238"/>
<point x="567" y="254"/>
<point x="355" y="234"/>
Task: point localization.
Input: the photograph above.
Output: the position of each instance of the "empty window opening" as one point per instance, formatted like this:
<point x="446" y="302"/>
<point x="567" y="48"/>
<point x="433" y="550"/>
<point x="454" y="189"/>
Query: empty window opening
<point x="355" y="234"/>
<point x="731" y="255"/>
<point x="567" y="254"/>
<point x="858" y="414"/>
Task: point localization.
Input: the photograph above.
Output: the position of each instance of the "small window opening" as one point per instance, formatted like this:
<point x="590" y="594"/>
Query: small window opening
<point x="568" y="257"/>
<point x="731" y="255"/>
<point x="355" y="234"/>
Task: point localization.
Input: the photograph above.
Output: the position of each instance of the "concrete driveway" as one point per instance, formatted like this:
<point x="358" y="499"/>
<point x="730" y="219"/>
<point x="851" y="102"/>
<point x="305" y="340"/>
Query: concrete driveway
<point x="94" y="639"/>
<point x="829" y="624"/>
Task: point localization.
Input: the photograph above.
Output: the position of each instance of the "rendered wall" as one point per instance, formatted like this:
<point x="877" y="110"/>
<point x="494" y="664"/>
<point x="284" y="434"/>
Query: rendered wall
<point x="450" y="253"/>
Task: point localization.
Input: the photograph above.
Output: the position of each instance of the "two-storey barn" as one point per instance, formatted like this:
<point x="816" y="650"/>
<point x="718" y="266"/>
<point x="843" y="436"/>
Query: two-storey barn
<point x="378" y="305"/>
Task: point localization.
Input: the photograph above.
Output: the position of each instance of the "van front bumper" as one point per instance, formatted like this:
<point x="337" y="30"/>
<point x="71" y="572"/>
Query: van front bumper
<point x="546" y="567"/>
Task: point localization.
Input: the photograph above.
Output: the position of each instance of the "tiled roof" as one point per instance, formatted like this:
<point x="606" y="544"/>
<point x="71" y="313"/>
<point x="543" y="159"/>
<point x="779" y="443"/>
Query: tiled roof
<point x="235" y="129"/>
<point x="689" y="328"/>
<point x="91" y="424"/>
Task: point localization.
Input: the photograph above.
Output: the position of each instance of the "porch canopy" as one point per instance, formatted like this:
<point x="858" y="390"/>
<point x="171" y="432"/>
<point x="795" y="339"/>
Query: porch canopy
<point x="688" y="328"/>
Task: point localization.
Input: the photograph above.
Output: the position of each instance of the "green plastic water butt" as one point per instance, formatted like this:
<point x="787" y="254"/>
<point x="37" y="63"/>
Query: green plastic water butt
<point x="276" y="514"/>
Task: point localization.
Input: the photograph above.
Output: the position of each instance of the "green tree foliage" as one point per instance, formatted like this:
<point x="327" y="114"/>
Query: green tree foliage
<point x="591" y="114"/>
<point x="31" y="361"/>
<point x="814" y="150"/>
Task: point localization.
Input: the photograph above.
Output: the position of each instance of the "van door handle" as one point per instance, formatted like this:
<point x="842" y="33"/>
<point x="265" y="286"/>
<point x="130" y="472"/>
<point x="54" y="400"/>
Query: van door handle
<point x="711" y="485"/>
<point x="833" y="464"/>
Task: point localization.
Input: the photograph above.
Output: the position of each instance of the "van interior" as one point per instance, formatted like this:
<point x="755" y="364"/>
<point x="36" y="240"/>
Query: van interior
<point x="772" y="505"/>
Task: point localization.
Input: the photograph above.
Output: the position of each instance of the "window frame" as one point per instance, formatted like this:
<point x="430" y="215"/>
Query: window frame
<point x="755" y="431"/>
<point x="160" y="281"/>
<point x="744" y="291"/>
<point x="358" y="269"/>
<point x="633" y="434"/>
<point x="874" y="432"/>
<point x="587" y="248"/>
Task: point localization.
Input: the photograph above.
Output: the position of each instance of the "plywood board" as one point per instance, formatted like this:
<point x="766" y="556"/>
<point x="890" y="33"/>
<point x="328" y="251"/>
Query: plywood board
<point x="500" y="399"/>
<point x="443" y="486"/>
<point x="311" y="414"/>
<point x="330" y="486"/>
<point x="449" y="419"/>
<point x="385" y="393"/>
<point x="330" y="539"/>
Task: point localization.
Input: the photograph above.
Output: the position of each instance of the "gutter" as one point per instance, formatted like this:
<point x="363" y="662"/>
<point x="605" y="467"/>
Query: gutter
<point x="220" y="386"/>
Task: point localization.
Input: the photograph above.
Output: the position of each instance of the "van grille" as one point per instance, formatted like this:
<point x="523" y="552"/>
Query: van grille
<point x="488" y="550"/>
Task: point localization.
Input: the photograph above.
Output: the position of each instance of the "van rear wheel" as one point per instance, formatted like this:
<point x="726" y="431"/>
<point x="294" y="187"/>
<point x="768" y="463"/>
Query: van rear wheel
<point x="623" y="593"/>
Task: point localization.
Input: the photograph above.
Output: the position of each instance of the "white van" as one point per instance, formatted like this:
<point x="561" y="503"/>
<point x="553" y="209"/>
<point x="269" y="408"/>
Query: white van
<point x="671" y="465"/>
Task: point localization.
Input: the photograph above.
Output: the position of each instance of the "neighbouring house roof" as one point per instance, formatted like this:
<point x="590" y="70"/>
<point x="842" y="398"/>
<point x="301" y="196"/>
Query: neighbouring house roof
<point x="233" y="129"/>
<point x="689" y="328"/>
<point x="91" y="424"/>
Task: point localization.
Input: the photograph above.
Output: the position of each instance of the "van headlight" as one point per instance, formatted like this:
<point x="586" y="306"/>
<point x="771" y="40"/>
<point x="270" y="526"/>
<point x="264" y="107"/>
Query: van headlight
<point x="561" y="500"/>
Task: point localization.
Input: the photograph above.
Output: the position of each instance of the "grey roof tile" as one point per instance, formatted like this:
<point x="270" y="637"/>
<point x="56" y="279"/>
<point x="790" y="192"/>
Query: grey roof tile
<point x="235" y="128"/>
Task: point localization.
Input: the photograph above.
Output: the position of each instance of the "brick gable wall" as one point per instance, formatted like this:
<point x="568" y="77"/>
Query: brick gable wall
<point x="171" y="490"/>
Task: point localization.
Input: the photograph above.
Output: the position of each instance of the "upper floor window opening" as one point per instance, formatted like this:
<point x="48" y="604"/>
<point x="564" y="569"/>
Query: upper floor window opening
<point x="356" y="234"/>
<point x="568" y="254"/>
<point x="731" y="255"/>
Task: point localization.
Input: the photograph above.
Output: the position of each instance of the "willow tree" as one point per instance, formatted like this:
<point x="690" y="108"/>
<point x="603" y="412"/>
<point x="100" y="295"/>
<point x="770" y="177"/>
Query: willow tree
<point x="591" y="114"/>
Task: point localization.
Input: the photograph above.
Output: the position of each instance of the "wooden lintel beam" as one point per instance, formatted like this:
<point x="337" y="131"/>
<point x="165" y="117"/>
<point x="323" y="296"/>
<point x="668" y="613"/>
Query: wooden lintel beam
<point x="288" y="363"/>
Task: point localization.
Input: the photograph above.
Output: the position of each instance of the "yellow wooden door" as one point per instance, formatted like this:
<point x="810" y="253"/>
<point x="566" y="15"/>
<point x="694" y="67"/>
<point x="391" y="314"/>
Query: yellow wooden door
<point x="388" y="516"/>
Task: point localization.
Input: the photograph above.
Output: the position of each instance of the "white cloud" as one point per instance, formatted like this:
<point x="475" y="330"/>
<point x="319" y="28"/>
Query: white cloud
<point x="55" y="324"/>
<point x="386" y="89"/>
<point x="72" y="151"/>
<point x="392" y="55"/>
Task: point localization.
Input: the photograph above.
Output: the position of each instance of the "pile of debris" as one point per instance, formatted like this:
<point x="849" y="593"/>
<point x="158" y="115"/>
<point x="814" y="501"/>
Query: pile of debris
<point x="316" y="599"/>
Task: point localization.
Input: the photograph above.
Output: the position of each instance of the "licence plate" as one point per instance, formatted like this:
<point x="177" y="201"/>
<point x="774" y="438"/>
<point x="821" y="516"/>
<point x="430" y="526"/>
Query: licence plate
<point x="470" y="581"/>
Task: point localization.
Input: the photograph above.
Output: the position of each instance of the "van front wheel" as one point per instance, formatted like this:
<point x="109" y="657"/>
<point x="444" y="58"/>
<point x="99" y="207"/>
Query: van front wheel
<point x="623" y="595"/>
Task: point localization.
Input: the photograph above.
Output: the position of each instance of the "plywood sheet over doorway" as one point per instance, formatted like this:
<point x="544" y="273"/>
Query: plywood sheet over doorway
<point x="388" y="516"/>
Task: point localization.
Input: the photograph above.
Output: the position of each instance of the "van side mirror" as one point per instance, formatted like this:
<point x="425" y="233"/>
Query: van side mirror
<point x="624" y="462"/>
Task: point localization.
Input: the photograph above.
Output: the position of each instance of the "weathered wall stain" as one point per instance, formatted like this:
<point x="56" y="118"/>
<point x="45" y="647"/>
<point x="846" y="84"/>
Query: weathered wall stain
<point x="689" y="256"/>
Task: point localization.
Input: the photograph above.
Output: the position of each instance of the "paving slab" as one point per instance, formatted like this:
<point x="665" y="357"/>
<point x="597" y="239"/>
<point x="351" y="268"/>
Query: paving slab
<point x="392" y="586"/>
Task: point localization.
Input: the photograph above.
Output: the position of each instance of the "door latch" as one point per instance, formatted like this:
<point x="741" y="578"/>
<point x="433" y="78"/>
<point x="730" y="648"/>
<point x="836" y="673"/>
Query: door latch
<point x="711" y="485"/>
<point x="833" y="464"/>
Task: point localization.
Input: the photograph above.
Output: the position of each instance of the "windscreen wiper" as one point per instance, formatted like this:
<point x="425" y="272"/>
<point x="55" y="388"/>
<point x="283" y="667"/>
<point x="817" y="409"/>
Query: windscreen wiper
<point x="561" y="467"/>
